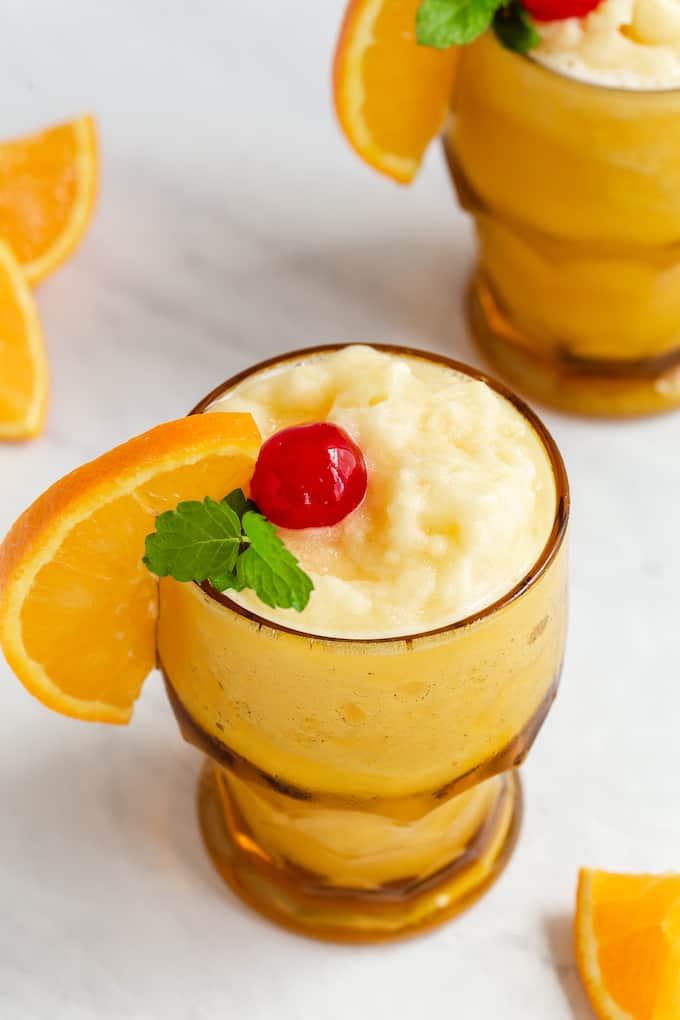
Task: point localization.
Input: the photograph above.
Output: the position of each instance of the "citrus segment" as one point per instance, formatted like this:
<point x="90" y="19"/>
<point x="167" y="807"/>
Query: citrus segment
<point x="391" y="95"/>
<point x="77" y="606"/>
<point x="23" y="363"/>
<point x="627" y="936"/>
<point x="48" y="185"/>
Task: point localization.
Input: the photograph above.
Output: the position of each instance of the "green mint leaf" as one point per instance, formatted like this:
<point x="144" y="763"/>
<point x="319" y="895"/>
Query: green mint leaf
<point x="238" y="503"/>
<point x="195" y="541"/>
<point x="222" y="584"/>
<point x="269" y="568"/>
<point x="444" y="23"/>
<point x="515" y="29"/>
<point x="270" y="587"/>
<point x="230" y="545"/>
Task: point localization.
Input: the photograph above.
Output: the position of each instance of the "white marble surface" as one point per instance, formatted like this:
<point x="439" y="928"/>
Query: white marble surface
<point x="234" y="223"/>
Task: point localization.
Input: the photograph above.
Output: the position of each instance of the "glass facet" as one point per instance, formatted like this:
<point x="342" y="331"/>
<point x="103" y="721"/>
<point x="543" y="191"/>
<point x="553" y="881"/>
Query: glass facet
<point x="575" y="192"/>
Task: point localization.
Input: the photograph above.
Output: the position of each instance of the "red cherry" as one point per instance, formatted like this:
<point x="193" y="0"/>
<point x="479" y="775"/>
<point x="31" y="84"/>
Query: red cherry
<point x="309" y="476"/>
<point x="556" y="10"/>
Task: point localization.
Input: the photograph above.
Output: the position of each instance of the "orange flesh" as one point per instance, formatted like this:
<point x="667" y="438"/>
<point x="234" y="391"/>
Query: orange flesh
<point x="77" y="606"/>
<point x="24" y="375"/>
<point x="48" y="184"/>
<point x="391" y="95"/>
<point x="628" y="944"/>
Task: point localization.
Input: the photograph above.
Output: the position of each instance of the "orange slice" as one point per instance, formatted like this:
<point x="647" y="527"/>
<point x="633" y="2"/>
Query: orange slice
<point x="77" y="606"/>
<point x="628" y="944"/>
<point x="24" y="378"/>
<point x="391" y="95"/>
<point x="48" y="185"/>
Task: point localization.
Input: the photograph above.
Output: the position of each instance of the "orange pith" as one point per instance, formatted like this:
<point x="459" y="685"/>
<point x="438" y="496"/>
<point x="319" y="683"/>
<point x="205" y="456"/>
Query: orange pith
<point x="627" y="935"/>
<point x="23" y="362"/>
<point x="77" y="606"/>
<point x="48" y="186"/>
<point x="391" y="95"/>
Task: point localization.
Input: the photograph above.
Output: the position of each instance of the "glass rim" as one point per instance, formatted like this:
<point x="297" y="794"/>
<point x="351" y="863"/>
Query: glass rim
<point x="625" y="90"/>
<point x="533" y="575"/>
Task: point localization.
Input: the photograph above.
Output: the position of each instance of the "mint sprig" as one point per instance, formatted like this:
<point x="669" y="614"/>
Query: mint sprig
<point x="515" y="29"/>
<point x="269" y="568"/>
<point x="229" y="544"/>
<point x="445" y="23"/>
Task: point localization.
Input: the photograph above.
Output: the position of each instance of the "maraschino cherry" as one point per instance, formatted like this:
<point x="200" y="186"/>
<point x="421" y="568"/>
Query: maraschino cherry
<point x="557" y="10"/>
<point x="309" y="476"/>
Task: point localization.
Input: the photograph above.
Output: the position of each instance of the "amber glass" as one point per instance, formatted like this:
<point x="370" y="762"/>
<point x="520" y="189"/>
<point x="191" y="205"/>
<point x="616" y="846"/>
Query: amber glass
<point x="364" y="789"/>
<point x="575" y="192"/>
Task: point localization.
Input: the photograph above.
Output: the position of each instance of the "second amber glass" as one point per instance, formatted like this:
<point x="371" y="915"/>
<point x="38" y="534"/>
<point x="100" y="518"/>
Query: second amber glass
<point x="575" y="191"/>
<point x="360" y="789"/>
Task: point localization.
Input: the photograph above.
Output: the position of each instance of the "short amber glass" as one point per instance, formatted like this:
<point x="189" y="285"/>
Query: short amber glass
<point x="575" y="192"/>
<point x="364" y="789"/>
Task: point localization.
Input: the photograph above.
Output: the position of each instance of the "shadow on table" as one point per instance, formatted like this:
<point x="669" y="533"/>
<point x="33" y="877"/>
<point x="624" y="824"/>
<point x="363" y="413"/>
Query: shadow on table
<point x="406" y="289"/>
<point x="232" y="286"/>
<point x="116" y="812"/>
<point x="559" y="934"/>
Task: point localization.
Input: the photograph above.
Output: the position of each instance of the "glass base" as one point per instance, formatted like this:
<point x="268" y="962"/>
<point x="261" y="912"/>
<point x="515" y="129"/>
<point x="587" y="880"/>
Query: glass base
<point x="598" y="388"/>
<point x="300" y="900"/>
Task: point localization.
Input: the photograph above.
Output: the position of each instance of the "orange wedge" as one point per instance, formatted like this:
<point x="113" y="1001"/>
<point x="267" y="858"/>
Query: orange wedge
<point x="391" y="95"/>
<point x="77" y="606"/>
<point x="24" y="380"/>
<point x="628" y="944"/>
<point x="48" y="186"/>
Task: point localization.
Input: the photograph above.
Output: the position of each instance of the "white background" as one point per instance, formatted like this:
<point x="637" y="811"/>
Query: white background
<point x="233" y="223"/>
